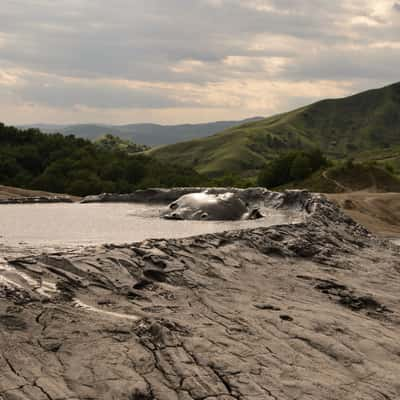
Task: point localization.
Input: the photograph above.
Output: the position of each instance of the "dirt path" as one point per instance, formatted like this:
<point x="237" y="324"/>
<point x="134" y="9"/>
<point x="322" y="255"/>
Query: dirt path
<point x="338" y="184"/>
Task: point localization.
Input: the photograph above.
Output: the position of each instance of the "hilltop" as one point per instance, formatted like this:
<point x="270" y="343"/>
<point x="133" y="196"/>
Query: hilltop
<point x="355" y="125"/>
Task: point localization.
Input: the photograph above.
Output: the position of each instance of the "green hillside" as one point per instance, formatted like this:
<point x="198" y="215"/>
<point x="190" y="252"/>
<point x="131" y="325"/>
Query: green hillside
<point x="369" y="121"/>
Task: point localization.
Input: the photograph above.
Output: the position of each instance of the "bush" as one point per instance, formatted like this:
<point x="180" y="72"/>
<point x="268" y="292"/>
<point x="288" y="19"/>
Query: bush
<point x="295" y="165"/>
<point x="389" y="168"/>
<point x="300" y="168"/>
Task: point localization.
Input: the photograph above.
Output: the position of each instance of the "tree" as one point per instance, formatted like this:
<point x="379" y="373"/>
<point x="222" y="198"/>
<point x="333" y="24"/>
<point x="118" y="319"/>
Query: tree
<point x="8" y="167"/>
<point x="300" y="168"/>
<point x="317" y="159"/>
<point x="277" y="172"/>
<point x="135" y="170"/>
<point x="57" y="163"/>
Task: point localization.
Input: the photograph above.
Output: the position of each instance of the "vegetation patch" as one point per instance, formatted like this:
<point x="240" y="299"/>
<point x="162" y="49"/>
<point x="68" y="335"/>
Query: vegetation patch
<point x="65" y="164"/>
<point x="292" y="166"/>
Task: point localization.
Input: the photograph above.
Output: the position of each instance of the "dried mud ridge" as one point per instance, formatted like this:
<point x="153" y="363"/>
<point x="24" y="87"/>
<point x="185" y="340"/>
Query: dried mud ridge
<point x="307" y="311"/>
<point x="36" y="200"/>
<point x="165" y="196"/>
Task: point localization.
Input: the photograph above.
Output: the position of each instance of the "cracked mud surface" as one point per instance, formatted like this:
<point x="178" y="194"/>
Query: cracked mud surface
<point x="308" y="311"/>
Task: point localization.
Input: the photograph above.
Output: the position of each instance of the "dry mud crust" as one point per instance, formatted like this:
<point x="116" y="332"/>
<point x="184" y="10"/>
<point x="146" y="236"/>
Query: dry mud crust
<point x="308" y="311"/>
<point x="12" y="195"/>
<point x="36" y="200"/>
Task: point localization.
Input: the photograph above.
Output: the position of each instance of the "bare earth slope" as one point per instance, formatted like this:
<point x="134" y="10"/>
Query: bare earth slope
<point x="379" y="212"/>
<point x="307" y="311"/>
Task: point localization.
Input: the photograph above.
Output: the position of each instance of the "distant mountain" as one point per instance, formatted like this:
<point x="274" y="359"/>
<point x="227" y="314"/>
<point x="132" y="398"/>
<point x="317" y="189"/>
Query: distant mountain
<point x="369" y="121"/>
<point x="145" y="134"/>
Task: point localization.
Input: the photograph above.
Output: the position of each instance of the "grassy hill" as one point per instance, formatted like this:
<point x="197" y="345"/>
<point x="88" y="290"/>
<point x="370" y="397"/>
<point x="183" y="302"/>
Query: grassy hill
<point x="369" y="121"/>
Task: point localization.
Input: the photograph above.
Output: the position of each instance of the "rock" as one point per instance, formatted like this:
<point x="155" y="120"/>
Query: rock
<point x="348" y="204"/>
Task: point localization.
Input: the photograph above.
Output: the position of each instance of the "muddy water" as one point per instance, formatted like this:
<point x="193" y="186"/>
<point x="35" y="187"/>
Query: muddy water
<point x="86" y="224"/>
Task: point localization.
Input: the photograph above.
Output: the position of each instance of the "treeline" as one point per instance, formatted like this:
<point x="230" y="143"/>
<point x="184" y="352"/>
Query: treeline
<point x="111" y="142"/>
<point x="291" y="166"/>
<point x="67" y="164"/>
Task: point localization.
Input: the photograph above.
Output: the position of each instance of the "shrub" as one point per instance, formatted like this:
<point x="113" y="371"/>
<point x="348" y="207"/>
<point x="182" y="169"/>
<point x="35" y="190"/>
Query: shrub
<point x="300" y="168"/>
<point x="295" y="165"/>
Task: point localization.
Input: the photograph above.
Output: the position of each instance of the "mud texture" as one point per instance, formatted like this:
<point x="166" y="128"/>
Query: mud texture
<point x="165" y="196"/>
<point x="12" y="195"/>
<point x="306" y="311"/>
<point x="36" y="199"/>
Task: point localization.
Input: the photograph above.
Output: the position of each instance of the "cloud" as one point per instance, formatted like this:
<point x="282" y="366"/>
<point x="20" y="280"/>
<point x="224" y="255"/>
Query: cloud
<point x="62" y="93"/>
<point x="183" y="55"/>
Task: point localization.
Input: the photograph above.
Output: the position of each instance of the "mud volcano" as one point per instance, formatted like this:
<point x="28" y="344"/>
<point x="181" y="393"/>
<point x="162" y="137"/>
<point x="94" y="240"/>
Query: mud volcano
<point x="302" y="311"/>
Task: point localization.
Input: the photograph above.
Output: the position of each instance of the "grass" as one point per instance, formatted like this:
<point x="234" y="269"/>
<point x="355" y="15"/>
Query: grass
<point x="358" y="176"/>
<point x="358" y="125"/>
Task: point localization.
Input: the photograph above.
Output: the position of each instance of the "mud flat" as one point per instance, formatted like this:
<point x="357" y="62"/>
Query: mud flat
<point x="303" y="311"/>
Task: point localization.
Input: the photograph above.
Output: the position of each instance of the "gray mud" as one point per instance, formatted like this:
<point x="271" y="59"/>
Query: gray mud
<point x="36" y="200"/>
<point x="303" y="311"/>
<point x="61" y="225"/>
<point x="294" y="198"/>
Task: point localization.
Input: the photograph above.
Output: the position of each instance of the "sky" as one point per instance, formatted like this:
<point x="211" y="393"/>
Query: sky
<point x="176" y="61"/>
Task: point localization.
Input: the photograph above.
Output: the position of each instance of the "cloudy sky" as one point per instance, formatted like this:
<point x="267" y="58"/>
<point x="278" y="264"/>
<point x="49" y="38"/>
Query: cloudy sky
<point x="173" y="61"/>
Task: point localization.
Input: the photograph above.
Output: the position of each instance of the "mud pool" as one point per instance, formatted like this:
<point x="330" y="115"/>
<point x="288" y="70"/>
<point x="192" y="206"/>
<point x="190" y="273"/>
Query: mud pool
<point x="91" y="224"/>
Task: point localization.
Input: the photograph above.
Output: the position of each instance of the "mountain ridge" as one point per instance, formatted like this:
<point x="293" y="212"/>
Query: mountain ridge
<point x="149" y="134"/>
